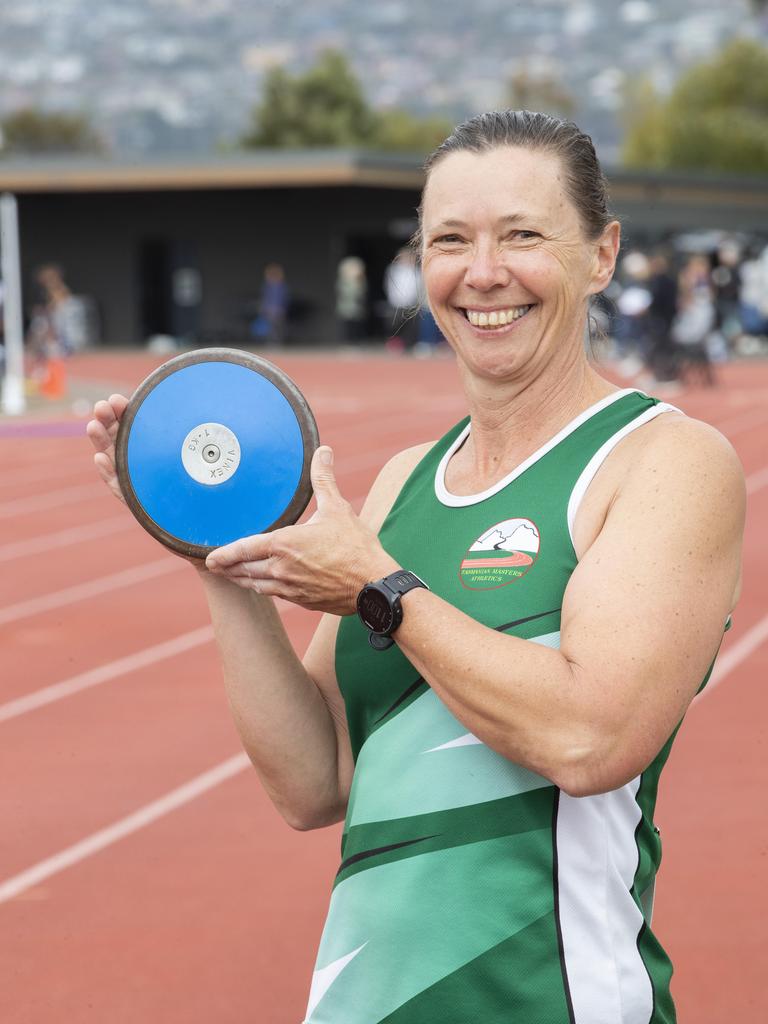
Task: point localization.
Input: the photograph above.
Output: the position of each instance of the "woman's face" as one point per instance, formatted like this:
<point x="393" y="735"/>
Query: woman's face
<point x="506" y="263"/>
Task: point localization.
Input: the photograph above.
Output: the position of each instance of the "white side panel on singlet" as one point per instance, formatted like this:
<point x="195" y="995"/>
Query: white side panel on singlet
<point x="597" y="858"/>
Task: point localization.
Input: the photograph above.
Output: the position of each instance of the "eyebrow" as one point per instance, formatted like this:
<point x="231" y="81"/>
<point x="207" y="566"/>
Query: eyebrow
<point x="510" y="218"/>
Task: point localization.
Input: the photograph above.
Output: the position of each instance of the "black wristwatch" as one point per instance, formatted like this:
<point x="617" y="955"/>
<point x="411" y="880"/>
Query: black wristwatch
<point x="379" y="607"/>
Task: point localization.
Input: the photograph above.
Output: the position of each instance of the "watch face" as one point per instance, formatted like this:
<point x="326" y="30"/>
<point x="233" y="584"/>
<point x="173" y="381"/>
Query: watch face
<point x="375" y="610"/>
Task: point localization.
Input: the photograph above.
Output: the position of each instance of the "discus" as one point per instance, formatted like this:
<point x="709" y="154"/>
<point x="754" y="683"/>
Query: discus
<point x="213" y="446"/>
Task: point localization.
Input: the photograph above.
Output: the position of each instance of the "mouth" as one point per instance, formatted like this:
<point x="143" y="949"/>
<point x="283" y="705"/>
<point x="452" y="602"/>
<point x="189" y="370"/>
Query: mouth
<point x="493" y="320"/>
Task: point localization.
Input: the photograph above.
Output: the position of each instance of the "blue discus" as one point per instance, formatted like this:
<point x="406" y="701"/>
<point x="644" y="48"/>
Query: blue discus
<point x="215" y="445"/>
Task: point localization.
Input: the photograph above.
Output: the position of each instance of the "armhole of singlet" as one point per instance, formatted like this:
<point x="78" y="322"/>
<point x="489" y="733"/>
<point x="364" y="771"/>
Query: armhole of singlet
<point x="602" y="453"/>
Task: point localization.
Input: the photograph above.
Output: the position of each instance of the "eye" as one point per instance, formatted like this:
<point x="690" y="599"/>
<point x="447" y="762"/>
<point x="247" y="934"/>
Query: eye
<point x="524" y="236"/>
<point x="447" y="240"/>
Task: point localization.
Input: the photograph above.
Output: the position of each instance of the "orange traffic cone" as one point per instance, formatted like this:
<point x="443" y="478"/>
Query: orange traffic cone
<point x="54" y="384"/>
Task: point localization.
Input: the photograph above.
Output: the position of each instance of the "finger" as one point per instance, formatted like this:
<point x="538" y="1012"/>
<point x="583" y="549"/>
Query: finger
<point x="109" y="411"/>
<point x="258" y="570"/>
<point x="323" y="478"/>
<point x="247" y="549"/>
<point x="106" y="470"/>
<point x="266" y="588"/>
<point x="98" y="436"/>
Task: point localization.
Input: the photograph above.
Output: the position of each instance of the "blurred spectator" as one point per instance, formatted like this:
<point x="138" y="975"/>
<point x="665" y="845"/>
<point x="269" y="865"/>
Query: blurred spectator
<point x="726" y="279"/>
<point x="695" y="320"/>
<point x="55" y="330"/>
<point x="662" y="309"/>
<point x="632" y="304"/>
<point x="753" y="294"/>
<point x="402" y="287"/>
<point x="269" y="325"/>
<point x="352" y="298"/>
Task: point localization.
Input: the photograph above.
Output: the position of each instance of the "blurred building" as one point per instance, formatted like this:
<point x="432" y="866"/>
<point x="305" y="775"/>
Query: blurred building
<point x="171" y="248"/>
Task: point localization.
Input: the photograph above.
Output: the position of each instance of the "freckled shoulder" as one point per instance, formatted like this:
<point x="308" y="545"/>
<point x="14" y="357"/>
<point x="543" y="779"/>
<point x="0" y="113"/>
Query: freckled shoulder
<point x="389" y="483"/>
<point x="674" y="452"/>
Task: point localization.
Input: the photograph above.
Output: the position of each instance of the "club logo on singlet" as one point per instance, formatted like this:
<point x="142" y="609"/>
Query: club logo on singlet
<point x="500" y="555"/>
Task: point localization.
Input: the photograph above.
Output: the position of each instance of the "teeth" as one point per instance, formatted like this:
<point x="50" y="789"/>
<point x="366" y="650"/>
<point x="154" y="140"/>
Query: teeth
<point x="497" y="318"/>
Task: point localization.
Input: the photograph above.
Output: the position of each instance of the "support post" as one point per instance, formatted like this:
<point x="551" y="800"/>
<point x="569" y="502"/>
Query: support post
<point x="13" y="401"/>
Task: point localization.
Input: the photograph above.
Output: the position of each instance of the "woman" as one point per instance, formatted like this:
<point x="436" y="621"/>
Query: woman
<point x="497" y="765"/>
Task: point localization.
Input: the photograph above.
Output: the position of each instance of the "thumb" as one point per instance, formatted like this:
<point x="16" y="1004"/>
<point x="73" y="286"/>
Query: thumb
<point x="323" y="478"/>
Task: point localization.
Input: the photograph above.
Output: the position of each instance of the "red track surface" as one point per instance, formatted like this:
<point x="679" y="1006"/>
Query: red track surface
<point x="212" y="911"/>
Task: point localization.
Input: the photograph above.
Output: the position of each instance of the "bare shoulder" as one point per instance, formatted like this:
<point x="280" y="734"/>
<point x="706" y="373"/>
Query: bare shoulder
<point x="683" y="469"/>
<point x="693" y="451"/>
<point x="672" y="465"/>
<point x="389" y="482"/>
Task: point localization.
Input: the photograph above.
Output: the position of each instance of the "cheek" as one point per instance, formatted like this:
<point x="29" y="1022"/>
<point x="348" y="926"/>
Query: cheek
<point x="440" y="277"/>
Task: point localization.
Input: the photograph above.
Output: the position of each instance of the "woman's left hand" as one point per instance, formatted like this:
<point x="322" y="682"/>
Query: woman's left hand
<point x="322" y="564"/>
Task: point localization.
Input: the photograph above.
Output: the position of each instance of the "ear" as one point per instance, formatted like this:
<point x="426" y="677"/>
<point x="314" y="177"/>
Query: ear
<point x="606" y="252"/>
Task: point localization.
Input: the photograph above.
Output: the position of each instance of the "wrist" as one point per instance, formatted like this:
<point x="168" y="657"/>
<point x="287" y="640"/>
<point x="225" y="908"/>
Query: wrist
<point x="379" y="605"/>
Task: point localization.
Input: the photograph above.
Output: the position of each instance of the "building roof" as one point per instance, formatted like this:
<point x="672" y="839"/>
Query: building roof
<point x="260" y="169"/>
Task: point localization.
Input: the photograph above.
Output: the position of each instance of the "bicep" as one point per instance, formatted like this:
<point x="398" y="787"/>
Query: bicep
<point x="644" y="611"/>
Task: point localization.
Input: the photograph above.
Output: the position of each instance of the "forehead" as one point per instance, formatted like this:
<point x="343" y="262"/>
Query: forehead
<point x="508" y="180"/>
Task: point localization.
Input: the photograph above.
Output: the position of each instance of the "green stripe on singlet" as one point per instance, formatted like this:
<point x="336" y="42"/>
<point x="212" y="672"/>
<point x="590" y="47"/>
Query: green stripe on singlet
<point x="383" y="842"/>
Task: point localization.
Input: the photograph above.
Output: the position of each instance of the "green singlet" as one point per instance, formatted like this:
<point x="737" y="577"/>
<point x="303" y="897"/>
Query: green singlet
<point x="471" y="890"/>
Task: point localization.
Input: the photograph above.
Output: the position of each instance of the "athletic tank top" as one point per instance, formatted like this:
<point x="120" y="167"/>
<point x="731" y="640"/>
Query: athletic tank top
<point x="471" y="890"/>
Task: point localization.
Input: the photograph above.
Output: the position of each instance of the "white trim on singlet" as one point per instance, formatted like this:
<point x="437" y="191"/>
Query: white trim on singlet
<point x="602" y="453"/>
<point x="462" y="500"/>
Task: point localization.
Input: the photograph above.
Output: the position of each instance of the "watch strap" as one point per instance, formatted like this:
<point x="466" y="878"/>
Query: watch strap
<point x="402" y="581"/>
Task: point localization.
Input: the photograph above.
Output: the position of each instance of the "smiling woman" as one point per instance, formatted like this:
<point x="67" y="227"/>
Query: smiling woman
<point x="540" y="594"/>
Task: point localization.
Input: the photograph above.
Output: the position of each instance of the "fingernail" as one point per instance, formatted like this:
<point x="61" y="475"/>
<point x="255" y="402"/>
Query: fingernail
<point x="211" y="563"/>
<point x="326" y="457"/>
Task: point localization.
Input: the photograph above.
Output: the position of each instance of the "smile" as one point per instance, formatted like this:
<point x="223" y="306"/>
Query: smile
<point x="496" y="317"/>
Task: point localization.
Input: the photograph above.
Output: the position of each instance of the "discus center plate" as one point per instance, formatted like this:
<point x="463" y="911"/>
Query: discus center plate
<point x="210" y="453"/>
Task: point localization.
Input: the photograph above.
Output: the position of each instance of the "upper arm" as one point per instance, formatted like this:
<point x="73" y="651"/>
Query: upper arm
<point x="644" y="611"/>
<point x="319" y="659"/>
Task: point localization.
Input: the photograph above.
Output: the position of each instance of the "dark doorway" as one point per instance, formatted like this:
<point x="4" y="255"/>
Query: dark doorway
<point x="170" y="289"/>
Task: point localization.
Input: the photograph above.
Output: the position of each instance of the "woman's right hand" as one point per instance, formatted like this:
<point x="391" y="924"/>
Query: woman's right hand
<point x="102" y="431"/>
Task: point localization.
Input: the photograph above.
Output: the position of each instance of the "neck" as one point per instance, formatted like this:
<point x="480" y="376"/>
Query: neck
<point x="511" y="419"/>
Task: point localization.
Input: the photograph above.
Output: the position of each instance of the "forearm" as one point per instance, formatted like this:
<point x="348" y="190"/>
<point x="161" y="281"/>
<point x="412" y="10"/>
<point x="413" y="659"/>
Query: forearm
<point x="524" y="700"/>
<point x="284" y="722"/>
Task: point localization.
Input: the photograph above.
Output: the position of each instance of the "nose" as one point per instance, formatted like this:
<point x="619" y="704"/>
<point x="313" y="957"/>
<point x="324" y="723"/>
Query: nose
<point x="486" y="269"/>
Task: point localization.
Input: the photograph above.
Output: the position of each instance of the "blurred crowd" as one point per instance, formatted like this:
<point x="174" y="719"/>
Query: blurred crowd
<point x="674" y="315"/>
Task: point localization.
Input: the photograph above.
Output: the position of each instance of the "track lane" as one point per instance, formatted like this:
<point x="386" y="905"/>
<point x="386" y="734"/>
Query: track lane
<point x="163" y="847"/>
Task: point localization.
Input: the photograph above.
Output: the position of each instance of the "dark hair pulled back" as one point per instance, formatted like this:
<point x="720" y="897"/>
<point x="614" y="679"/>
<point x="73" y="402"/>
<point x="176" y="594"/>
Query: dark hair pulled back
<point x="585" y="183"/>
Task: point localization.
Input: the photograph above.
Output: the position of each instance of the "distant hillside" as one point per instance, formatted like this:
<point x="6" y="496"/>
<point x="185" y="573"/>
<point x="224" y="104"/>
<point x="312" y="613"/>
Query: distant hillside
<point x="181" y="76"/>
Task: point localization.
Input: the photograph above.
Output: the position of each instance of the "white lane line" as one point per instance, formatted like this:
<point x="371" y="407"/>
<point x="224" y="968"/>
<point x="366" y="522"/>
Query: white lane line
<point x="737" y="653"/>
<point x="757" y="480"/>
<point x="103" y="673"/>
<point x="102" y="585"/>
<point x="51" y="499"/>
<point x="61" y="467"/>
<point x="105" y="837"/>
<point x="63" y="538"/>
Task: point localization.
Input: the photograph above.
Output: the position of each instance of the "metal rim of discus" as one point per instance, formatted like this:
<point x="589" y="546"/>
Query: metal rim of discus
<point x="277" y="377"/>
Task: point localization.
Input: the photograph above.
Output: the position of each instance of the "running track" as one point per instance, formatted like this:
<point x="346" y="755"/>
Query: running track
<point x="143" y="874"/>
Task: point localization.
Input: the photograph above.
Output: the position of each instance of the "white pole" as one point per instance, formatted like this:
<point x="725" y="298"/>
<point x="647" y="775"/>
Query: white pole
<point x="13" y="401"/>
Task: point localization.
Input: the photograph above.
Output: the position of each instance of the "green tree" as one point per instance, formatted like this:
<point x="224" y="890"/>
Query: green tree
<point x="528" y="91"/>
<point x="34" y="131"/>
<point x="716" y="117"/>
<point x="398" y="130"/>
<point x="326" y="107"/>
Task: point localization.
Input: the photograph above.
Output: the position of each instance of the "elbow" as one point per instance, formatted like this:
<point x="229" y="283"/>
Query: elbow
<point x="592" y="768"/>
<point x="309" y="819"/>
